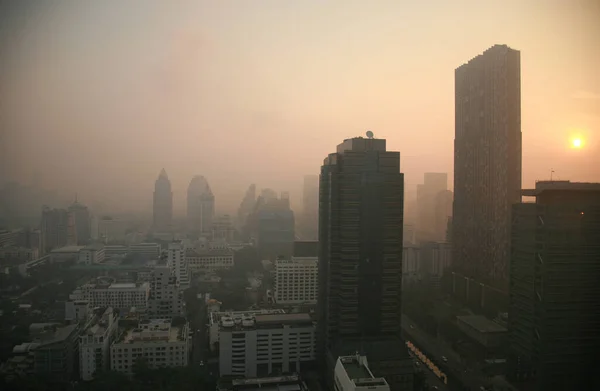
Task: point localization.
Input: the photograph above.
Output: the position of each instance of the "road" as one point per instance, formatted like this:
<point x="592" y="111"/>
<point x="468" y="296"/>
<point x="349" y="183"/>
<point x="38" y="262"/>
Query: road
<point x="436" y="349"/>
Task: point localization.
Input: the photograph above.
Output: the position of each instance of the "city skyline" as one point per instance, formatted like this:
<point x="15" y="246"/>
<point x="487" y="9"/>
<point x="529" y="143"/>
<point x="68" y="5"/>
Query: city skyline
<point x="162" y="92"/>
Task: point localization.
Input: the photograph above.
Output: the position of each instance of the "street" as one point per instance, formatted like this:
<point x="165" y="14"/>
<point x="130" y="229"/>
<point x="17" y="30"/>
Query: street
<point x="437" y="349"/>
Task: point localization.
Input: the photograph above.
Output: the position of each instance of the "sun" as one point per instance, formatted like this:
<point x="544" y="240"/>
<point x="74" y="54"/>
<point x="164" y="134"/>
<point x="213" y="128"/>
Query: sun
<point x="577" y="143"/>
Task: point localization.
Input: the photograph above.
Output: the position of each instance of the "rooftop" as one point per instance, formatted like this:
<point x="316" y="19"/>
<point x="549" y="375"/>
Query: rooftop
<point x="94" y="247"/>
<point x="67" y="249"/>
<point x="211" y="252"/>
<point x="481" y="324"/>
<point x="155" y="330"/>
<point x="354" y="368"/>
<point x="282" y="318"/>
<point x="542" y="186"/>
<point x="123" y="285"/>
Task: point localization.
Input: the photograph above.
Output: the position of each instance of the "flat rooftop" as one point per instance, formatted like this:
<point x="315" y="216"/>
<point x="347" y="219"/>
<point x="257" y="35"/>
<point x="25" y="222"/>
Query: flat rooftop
<point x="67" y="249"/>
<point x="355" y="369"/>
<point x="481" y="324"/>
<point x="122" y="285"/>
<point x="282" y="318"/>
<point x="543" y="186"/>
<point x="215" y="317"/>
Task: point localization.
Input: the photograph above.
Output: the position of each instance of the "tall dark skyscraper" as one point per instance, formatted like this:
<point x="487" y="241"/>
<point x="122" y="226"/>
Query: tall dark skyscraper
<point x="163" y="203"/>
<point x="360" y="255"/>
<point x="554" y="315"/>
<point x="200" y="205"/>
<point x="487" y="162"/>
<point x="57" y="229"/>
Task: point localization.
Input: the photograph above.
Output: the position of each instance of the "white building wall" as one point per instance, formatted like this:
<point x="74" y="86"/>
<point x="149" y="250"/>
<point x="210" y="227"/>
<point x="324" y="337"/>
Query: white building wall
<point x="296" y="280"/>
<point x="166" y="299"/>
<point x="242" y="351"/>
<point x="94" y="346"/>
<point x="176" y="258"/>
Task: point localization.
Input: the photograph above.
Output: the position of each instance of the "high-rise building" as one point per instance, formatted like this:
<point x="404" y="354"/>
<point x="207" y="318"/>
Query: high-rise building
<point x="427" y="196"/>
<point x="554" y="313"/>
<point x="57" y="229"/>
<point x="178" y="263"/>
<point x="200" y="205"/>
<point x="163" y="202"/>
<point x="443" y="213"/>
<point x="360" y="260"/>
<point x="487" y="162"/>
<point x="310" y="207"/>
<point x="166" y="299"/>
<point x="82" y="218"/>
<point x="94" y="344"/>
<point x="247" y="205"/>
<point x="296" y="280"/>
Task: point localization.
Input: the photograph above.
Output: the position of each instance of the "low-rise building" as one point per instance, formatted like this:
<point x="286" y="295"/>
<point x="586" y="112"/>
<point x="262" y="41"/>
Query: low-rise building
<point x="65" y="254"/>
<point x="104" y="292"/>
<point x="57" y="357"/>
<point x="94" y="344"/>
<point x="158" y="341"/>
<point x="352" y="373"/>
<point x="261" y="345"/>
<point x="92" y="254"/>
<point x="296" y="280"/>
<point x="14" y="254"/>
<point x="214" y="320"/>
<point x="209" y="259"/>
<point x="148" y="250"/>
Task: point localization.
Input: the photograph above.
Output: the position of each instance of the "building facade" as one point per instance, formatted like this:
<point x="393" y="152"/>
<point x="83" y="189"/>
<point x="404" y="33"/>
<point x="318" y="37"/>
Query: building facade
<point x="159" y="341"/>
<point x="310" y="208"/>
<point x="201" y="260"/>
<point x="360" y="260"/>
<point x="352" y="373"/>
<point x="200" y="205"/>
<point x="178" y="263"/>
<point x="487" y="162"/>
<point x="296" y="280"/>
<point x="91" y="254"/>
<point x="166" y="299"/>
<point x="163" y="203"/>
<point x="94" y="345"/>
<point x="265" y="344"/>
<point x="554" y="313"/>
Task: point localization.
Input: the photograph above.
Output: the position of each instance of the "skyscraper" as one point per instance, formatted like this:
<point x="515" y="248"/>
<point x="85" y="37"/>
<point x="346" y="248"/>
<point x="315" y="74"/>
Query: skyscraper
<point x="163" y="202"/>
<point x="57" y="229"/>
<point x="433" y="184"/>
<point x="310" y="207"/>
<point x="360" y="255"/>
<point x="487" y="162"/>
<point x="554" y="313"/>
<point x="200" y="205"/>
<point x="81" y="215"/>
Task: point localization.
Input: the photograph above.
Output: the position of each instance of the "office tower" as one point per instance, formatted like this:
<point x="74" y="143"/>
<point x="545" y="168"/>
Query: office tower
<point x="81" y="215"/>
<point x="554" y="313"/>
<point x="427" y="193"/>
<point x="443" y="212"/>
<point x="310" y="209"/>
<point x="487" y="162"/>
<point x="275" y="228"/>
<point x="247" y="205"/>
<point x="57" y="229"/>
<point x="360" y="257"/>
<point x="200" y="205"/>
<point x="163" y="202"/>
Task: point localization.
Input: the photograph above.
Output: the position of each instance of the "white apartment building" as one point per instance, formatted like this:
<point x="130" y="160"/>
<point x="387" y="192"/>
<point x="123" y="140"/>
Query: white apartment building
<point x="77" y="310"/>
<point x="215" y="321"/>
<point x="263" y="344"/>
<point x="148" y="250"/>
<point x="91" y="254"/>
<point x="296" y="280"/>
<point x="352" y="373"/>
<point x="177" y="261"/>
<point x="209" y="260"/>
<point x="166" y="299"/>
<point x="94" y="344"/>
<point x="159" y="341"/>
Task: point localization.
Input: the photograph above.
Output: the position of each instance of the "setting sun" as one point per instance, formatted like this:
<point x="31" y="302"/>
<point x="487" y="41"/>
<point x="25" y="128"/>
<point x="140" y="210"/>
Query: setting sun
<point x="576" y="143"/>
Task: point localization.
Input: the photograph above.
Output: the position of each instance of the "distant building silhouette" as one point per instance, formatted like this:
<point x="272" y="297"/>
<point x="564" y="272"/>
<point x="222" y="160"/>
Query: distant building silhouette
<point x="310" y="208"/>
<point x="487" y="162"/>
<point x="83" y="224"/>
<point x="163" y="203"/>
<point x="57" y="229"/>
<point x="427" y="197"/>
<point x="554" y="313"/>
<point x="200" y="205"/>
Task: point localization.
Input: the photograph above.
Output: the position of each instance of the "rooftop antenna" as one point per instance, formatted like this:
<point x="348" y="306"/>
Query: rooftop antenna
<point x="369" y="134"/>
<point x="551" y="174"/>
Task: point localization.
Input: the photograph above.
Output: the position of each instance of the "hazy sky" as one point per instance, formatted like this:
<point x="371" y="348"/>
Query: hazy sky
<point x="98" y="96"/>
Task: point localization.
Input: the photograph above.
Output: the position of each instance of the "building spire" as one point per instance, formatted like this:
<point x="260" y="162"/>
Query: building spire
<point x="163" y="174"/>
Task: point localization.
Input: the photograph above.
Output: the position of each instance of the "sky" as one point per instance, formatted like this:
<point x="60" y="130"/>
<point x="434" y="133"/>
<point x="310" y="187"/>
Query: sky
<point x="96" y="97"/>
